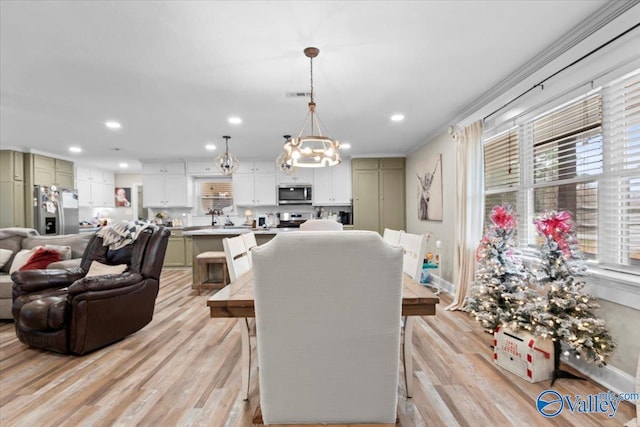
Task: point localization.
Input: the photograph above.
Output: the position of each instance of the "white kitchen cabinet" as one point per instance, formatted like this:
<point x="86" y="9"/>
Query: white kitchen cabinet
<point x="299" y="176"/>
<point x="203" y="168"/>
<point x="256" y="167"/>
<point x="332" y="185"/>
<point x="166" y="185"/>
<point x="173" y="168"/>
<point x="254" y="184"/>
<point x="166" y="190"/>
<point x="95" y="188"/>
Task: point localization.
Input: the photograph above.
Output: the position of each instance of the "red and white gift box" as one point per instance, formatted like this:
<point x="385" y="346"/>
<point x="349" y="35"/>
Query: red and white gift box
<point x="523" y="354"/>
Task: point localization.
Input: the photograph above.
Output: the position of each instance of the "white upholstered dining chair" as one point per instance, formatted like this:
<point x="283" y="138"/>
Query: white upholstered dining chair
<point x="320" y="225"/>
<point x="328" y="337"/>
<point x="414" y="247"/>
<point x="392" y="236"/>
<point x="238" y="263"/>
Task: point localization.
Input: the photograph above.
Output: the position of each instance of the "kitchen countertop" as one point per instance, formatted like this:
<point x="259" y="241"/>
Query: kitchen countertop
<point x="233" y="231"/>
<point x="88" y="229"/>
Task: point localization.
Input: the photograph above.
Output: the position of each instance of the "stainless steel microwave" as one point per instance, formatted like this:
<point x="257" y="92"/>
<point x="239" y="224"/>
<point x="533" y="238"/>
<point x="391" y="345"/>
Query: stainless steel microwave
<point x="294" y="195"/>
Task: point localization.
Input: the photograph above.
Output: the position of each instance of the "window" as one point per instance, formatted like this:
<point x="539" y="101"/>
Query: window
<point x="567" y="161"/>
<point x="501" y="171"/>
<point x="620" y="204"/>
<point x="583" y="157"/>
<point x="214" y="194"/>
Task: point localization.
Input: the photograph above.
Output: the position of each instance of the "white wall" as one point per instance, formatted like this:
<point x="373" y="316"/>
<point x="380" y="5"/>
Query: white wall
<point x="439" y="230"/>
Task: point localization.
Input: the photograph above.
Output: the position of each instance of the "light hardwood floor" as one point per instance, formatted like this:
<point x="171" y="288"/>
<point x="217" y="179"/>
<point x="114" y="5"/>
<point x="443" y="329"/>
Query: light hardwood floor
<point x="182" y="370"/>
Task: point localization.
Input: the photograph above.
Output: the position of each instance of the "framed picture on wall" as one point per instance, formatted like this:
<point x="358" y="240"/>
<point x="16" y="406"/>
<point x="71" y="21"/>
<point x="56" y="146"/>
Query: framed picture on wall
<point x="429" y="188"/>
<point x="123" y="197"/>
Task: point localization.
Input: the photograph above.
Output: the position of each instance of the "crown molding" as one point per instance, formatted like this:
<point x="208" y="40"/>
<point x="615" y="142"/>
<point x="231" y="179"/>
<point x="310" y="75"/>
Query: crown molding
<point x="549" y="59"/>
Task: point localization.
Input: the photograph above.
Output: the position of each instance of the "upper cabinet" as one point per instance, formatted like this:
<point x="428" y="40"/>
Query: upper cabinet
<point x="166" y="185"/>
<point x="332" y="185"/>
<point x="203" y="168"/>
<point x="95" y="187"/>
<point x="172" y="168"/>
<point x="254" y="184"/>
<point x="299" y="176"/>
<point x="11" y="165"/>
<point x="48" y="171"/>
<point x="12" y="192"/>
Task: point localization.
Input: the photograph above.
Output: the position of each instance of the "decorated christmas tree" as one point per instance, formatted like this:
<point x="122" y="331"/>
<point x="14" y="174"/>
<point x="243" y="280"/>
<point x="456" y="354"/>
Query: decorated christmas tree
<point x="501" y="281"/>
<point x="566" y="314"/>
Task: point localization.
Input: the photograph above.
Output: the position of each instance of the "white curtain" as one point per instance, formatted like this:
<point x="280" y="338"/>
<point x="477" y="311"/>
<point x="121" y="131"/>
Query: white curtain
<point x="469" y="210"/>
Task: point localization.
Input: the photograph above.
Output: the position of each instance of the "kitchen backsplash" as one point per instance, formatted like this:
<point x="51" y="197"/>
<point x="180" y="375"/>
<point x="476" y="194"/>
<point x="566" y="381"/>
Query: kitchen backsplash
<point x="185" y="217"/>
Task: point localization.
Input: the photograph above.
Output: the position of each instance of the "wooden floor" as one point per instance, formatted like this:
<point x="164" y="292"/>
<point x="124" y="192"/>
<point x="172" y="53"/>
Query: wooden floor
<point x="182" y="370"/>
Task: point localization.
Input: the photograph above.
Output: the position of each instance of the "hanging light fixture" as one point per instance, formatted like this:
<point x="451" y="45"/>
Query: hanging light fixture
<point x="226" y="162"/>
<point x="284" y="162"/>
<point x="312" y="151"/>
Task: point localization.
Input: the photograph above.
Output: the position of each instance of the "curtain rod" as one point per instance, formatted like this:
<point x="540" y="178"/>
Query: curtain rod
<point x="541" y="83"/>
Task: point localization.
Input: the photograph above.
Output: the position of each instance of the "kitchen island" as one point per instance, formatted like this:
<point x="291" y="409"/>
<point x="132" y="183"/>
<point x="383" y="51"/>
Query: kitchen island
<point x="205" y="239"/>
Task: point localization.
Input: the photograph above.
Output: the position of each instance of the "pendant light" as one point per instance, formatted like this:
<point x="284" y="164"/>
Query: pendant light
<point x="226" y="162"/>
<point x="312" y="150"/>
<point x="284" y="162"/>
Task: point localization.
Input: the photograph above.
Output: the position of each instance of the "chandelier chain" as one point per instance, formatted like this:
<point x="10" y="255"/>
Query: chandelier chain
<point x="311" y="60"/>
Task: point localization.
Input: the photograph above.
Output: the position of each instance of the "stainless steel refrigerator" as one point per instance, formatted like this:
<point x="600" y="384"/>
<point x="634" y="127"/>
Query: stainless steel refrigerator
<point x="55" y="210"/>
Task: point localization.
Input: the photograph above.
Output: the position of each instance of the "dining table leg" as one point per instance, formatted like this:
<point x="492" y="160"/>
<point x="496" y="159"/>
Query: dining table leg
<point x="407" y="354"/>
<point x="245" y="357"/>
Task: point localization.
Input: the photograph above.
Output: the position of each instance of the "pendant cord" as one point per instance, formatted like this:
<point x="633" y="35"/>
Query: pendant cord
<point x="312" y="104"/>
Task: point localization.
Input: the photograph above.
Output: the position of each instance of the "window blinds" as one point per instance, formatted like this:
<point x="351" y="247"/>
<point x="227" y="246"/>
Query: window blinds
<point x="620" y="187"/>
<point x="584" y="157"/>
<point x="501" y="161"/>
<point x="501" y="171"/>
<point x="566" y="162"/>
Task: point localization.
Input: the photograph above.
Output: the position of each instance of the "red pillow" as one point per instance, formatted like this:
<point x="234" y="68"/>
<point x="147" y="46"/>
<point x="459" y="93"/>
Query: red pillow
<point x="41" y="259"/>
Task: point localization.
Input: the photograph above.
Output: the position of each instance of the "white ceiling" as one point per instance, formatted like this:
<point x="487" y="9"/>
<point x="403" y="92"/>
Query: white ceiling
<point x="173" y="72"/>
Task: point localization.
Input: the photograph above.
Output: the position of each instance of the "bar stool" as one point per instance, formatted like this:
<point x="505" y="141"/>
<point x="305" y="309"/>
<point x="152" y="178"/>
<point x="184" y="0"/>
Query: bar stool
<point x="207" y="258"/>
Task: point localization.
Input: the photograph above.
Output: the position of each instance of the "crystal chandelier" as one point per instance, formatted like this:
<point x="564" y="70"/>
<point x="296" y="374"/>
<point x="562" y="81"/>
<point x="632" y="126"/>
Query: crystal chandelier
<point x="312" y="151"/>
<point x="284" y="162"/>
<point x="226" y="162"/>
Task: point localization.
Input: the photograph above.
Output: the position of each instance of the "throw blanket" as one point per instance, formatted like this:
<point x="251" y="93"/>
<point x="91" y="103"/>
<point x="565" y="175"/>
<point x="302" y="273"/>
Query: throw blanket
<point x="121" y="234"/>
<point x="17" y="231"/>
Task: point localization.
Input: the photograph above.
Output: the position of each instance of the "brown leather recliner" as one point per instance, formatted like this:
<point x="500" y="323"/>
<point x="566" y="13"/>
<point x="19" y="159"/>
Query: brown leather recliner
<point x="66" y="312"/>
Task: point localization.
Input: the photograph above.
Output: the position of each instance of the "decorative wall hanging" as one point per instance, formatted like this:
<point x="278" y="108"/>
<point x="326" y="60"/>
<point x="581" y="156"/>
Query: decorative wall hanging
<point x="429" y="175"/>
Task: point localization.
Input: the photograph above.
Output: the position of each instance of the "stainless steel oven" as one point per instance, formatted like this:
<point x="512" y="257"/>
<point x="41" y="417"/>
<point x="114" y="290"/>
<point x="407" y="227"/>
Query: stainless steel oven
<point x="294" y="195"/>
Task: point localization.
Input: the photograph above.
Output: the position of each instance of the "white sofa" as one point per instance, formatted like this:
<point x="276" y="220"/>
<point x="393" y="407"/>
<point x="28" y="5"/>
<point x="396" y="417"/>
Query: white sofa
<point x="16" y="239"/>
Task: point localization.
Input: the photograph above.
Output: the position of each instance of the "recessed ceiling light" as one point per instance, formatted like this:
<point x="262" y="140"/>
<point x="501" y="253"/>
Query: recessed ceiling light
<point x="235" y="120"/>
<point x="111" y="124"/>
<point x="345" y="146"/>
<point x="75" y="149"/>
<point x="123" y="165"/>
<point x="210" y="147"/>
<point x="397" y="117"/>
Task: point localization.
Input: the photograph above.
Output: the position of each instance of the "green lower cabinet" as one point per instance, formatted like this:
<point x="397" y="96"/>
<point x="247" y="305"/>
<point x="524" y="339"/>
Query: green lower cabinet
<point x="179" y="250"/>
<point x="175" y="255"/>
<point x="188" y="250"/>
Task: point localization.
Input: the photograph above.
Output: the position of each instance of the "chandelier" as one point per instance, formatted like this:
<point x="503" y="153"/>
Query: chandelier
<point x="226" y="162"/>
<point x="284" y="162"/>
<point x="311" y="151"/>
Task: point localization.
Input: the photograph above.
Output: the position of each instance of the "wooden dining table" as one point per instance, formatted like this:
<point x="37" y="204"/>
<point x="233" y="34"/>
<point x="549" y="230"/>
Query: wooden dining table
<point x="236" y="300"/>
